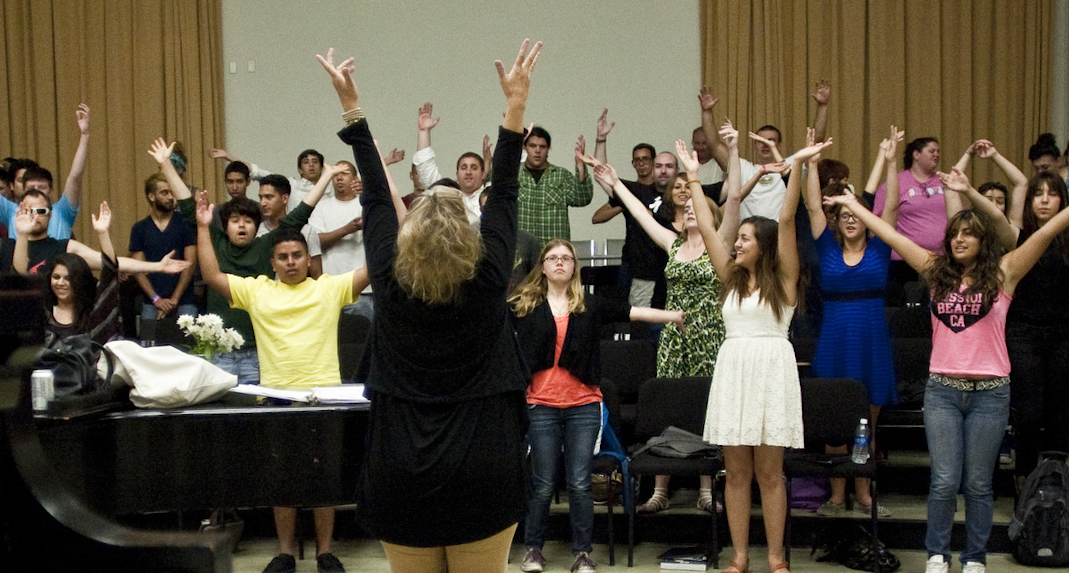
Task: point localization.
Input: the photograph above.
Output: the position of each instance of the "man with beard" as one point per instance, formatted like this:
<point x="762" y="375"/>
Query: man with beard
<point x="151" y="238"/>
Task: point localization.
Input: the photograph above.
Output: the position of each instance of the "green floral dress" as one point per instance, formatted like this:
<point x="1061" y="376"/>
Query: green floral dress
<point x="694" y="288"/>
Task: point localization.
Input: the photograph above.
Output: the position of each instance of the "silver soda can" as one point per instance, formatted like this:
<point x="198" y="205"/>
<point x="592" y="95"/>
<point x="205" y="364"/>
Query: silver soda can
<point x="42" y="388"/>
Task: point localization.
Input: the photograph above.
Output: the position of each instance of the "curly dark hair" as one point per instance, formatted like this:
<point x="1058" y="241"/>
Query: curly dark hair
<point x="946" y="273"/>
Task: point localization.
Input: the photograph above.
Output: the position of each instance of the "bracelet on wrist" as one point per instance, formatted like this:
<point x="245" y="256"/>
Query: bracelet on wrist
<point x="155" y="298"/>
<point x="352" y="116"/>
<point x="689" y="181"/>
<point x="599" y="140"/>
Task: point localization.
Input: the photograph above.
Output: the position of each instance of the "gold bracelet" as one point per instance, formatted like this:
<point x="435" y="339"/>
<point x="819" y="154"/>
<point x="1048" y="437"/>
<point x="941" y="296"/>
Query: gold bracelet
<point x="689" y="181"/>
<point x="352" y="116"/>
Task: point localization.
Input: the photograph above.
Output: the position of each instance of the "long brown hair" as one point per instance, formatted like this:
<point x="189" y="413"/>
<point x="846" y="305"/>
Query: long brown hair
<point x="1029" y="221"/>
<point x="946" y="273"/>
<point x="533" y="288"/>
<point x="771" y="291"/>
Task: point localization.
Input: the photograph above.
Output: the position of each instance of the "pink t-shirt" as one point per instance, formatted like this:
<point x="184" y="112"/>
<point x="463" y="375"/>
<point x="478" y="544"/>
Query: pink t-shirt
<point x="922" y="212"/>
<point x="965" y="340"/>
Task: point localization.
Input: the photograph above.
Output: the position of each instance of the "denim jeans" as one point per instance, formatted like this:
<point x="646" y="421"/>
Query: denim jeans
<point x="244" y="363"/>
<point x="964" y="431"/>
<point x="577" y="430"/>
<point x="148" y="310"/>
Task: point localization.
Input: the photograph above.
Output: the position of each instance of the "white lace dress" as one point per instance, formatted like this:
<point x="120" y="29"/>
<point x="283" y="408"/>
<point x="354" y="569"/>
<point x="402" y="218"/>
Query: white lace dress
<point x="755" y="398"/>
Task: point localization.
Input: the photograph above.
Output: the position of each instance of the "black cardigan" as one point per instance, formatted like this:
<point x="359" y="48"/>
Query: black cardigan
<point x="581" y="355"/>
<point x="445" y="353"/>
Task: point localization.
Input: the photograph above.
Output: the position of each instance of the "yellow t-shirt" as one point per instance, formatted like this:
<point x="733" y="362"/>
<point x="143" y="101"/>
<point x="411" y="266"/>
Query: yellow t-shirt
<point x="296" y="327"/>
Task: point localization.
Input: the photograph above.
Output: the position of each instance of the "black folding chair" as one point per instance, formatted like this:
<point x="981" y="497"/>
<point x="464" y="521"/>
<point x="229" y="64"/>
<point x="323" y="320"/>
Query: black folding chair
<point x="679" y="402"/>
<point x="831" y="408"/>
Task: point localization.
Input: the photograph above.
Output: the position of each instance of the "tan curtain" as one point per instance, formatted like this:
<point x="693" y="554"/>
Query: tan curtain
<point x="145" y="68"/>
<point x="958" y="70"/>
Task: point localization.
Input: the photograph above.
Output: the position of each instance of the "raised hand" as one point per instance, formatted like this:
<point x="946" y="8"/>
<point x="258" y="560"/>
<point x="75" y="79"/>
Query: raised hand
<point x="427" y="121"/>
<point x="890" y="145"/>
<point x="706" y="99"/>
<point x="204" y="209"/>
<point x="160" y="151"/>
<point x="730" y="135"/>
<point x="956" y="180"/>
<point x="606" y="174"/>
<point x="394" y="156"/>
<point x="24" y="221"/>
<point x="488" y="154"/>
<point x="688" y="159"/>
<point x="341" y="76"/>
<point x="517" y="81"/>
<point x="845" y="198"/>
<point x="332" y="169"/>
<point x="823" y="92"/>
<point x="809" y="151"/>
<point x="604" y="127"/>
<point x="985" y="148"/>
<point x="779" y="167"/>
<point x="102" y="221"/>
<point x="82" y="114"/>
<point x="580" y="146"/>
<point x="215" y="153"/>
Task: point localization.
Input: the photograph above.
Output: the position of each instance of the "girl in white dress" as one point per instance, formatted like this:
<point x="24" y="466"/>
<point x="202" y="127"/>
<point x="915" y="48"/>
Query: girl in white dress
<point x="755" y="403"/>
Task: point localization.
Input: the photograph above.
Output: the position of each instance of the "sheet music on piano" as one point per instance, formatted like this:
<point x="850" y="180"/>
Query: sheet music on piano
<point x="340" y="394"/>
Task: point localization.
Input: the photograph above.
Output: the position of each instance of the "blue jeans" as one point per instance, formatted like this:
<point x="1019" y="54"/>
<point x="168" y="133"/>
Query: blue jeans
<point x="364" y="306"/>
<point x="577" y="430"/>
<point x="964" y="431"/>
<point x="148" y="310"/>
<point x="242" y="362"/>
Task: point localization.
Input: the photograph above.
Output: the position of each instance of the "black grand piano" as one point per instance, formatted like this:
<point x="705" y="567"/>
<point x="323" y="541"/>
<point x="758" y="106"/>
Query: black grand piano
<point x="62" y="480"/>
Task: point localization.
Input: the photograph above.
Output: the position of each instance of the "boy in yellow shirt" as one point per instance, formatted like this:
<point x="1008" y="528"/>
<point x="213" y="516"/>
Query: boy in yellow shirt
<point x="295" y="319"/>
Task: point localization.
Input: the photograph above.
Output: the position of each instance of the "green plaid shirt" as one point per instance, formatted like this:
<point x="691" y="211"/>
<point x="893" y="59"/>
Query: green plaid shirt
<point x="544" y="205"/>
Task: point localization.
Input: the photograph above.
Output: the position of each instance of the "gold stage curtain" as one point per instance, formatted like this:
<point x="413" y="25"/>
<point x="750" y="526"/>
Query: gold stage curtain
<point x="957" y="70"/>
<point x="145" y="68"/>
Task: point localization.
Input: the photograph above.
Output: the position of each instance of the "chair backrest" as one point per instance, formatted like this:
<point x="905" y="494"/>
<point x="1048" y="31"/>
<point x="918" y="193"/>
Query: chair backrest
<point x="679" y="402"/>
<point x="611" y="398"/>
<point x="352" y="343"/>
<point x="831" y="409"/>
<point x="628" y="363"/>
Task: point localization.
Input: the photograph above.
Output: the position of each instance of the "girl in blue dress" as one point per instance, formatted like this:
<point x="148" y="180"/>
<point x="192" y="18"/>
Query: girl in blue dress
<point x="854" y="342"/>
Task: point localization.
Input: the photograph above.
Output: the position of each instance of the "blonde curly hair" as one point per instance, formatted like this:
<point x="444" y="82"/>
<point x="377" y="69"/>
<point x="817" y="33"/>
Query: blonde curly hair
<point x="437" y="249"/>
<point x="532" y="289"/>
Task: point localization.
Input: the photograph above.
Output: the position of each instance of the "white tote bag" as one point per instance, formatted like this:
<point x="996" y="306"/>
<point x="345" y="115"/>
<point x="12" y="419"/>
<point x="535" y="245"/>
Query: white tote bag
<point x="165" y="377"/>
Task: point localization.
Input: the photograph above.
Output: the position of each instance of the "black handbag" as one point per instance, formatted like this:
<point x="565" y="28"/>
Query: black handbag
<point x="73" y="362"/>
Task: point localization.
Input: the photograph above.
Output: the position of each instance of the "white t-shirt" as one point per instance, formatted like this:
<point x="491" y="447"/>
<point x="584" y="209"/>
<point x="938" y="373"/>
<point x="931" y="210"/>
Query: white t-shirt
<point x="310" y="235"/>
<point x="348" y="253"/>
<point x="766" y="199"/>
<point x="710" y="172"/>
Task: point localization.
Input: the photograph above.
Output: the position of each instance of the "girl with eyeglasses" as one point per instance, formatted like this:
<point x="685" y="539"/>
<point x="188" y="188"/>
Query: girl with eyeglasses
<point x="854" y="342"/>
<point x="557" y="326"/>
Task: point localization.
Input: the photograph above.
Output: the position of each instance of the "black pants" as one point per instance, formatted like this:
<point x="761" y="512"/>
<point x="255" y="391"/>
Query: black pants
<point x="1039" y="357"/>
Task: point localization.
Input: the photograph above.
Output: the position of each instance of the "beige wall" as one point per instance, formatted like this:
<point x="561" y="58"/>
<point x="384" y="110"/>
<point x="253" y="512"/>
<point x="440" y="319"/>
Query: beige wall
<point x="640" y="59"/>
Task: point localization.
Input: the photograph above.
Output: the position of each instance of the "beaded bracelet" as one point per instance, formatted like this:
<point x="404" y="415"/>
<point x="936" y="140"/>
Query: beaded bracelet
<point x="352" y="116"/>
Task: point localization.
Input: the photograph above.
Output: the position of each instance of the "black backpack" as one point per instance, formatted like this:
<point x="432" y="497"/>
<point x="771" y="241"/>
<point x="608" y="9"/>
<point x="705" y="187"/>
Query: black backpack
<point x="73" y="362"/>
<point x="1039" y="531"/>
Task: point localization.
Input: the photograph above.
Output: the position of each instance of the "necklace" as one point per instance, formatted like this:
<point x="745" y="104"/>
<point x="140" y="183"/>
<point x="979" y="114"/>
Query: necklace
<point x="559" y="307"/>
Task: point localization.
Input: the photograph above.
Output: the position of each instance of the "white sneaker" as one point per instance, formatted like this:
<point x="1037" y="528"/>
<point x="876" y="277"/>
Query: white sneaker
<point x="974" y="567"/>
<point x="936" y="564"/>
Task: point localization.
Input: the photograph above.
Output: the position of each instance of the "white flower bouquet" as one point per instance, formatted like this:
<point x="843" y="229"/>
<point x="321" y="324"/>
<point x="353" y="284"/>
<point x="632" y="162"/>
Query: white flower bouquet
<point x="210" y="335"/>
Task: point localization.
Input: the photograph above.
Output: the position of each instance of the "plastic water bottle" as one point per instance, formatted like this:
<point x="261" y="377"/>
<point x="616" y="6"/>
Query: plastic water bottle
<point x="861" y="442"/>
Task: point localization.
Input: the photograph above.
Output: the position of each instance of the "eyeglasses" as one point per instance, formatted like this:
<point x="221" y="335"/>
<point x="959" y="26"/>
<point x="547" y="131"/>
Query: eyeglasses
<point x="847" y="217"/>
<point x="641" y="160"/>
<point x="42" y="211"/>
<point x="559" y="259"/>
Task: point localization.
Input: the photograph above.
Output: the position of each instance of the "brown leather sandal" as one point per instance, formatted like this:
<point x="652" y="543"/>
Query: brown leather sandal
<point x="781" y="566"/>
<point x="734" y="567"/>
